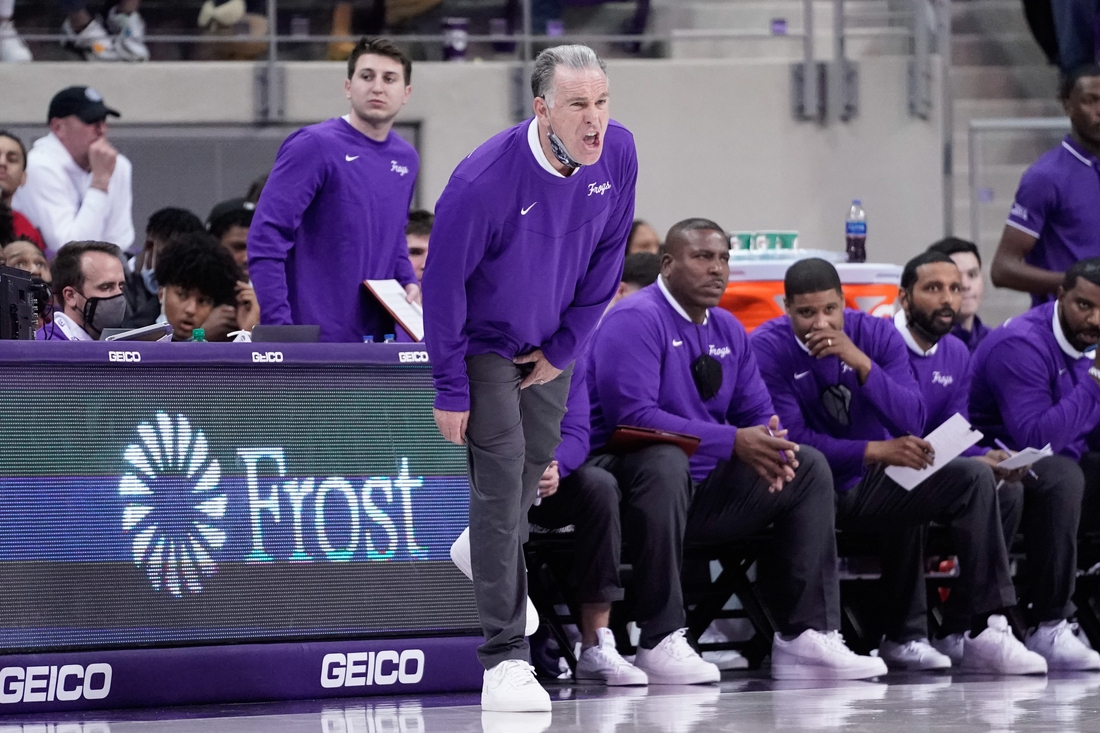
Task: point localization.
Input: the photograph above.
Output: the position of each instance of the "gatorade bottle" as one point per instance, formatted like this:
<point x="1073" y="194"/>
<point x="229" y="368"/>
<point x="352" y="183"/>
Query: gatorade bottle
<point x="855" y="233"/>
<point x="199" y="334"/>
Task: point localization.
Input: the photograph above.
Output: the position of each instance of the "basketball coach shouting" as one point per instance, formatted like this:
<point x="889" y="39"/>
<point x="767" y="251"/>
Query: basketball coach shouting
<point x="527" y="251"/>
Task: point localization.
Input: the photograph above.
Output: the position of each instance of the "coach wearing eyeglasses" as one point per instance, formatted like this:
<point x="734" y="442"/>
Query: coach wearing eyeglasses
<point x="669" y="359"/>
<point x="841" y="382"/>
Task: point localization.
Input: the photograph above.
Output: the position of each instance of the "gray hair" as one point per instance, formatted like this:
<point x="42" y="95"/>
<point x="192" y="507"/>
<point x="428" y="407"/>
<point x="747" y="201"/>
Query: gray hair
<point x="576" y="56"/>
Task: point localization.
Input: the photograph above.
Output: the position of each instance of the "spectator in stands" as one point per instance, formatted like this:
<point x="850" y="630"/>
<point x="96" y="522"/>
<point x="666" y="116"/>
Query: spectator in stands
<point x="88" y="279"/>
<point x="1034" y="384"/>
<point x="842" y="382"/>
<point x="24" y="255"/>
<point x="1055" y="220"/>
<point x="334" y="210"/>
<point x="78" y="185"/>
<point x="228" y="223"/>
<point x="643" y="238"/>
<point x="417" y="233"/>
<point x="1075" y="23"/>
<point x="165" y="225"/>
<point x="12" y="47"/>
<point x="501" y="369"/>
<point x="931" y="292"/>
<point x="196" y="278"/>
<point x="13" y="174"/>
<point x="969" y="327"/>
<point x="670" y="360"/>
<point x="122" y="39"/>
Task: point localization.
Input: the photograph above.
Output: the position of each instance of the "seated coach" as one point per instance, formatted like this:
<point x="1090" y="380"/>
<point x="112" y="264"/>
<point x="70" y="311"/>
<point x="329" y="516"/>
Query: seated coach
<point x="841" y="382"/>
<point x="1035" y="381"/>
<point x="931" y="292"/>
<point x="669" y="359"/>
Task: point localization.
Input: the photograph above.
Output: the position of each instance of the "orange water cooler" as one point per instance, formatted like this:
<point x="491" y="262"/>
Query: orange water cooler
<point x="755" y="290"/>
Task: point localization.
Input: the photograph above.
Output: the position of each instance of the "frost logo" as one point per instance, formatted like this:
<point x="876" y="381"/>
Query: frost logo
<point x="171" y="487"/>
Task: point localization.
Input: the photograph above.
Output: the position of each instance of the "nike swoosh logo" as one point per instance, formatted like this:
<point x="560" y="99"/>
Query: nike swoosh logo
<point x="677" y="343"/>
<point x="1061" y="372"/>
<point x="523" y="212"/>
<point x="350" y="158"/>
<point x="801" y="374"/>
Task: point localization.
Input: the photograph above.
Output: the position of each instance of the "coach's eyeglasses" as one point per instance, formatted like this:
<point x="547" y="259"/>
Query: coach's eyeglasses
<point x="837" y="400"/>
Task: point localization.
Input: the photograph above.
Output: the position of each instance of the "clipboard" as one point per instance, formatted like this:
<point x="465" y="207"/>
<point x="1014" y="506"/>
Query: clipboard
<point x="628" y="439"/>
<point x="391" y="295"/>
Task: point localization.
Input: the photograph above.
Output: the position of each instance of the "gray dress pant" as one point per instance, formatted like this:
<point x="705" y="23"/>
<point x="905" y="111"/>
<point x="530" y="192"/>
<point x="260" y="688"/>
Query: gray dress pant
<point x="962" y="495"/>
<point x="510" y="440"/>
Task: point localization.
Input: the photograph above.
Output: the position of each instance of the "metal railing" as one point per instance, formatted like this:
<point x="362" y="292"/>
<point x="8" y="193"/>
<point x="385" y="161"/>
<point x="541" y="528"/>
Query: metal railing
<point x="821" y="91"/>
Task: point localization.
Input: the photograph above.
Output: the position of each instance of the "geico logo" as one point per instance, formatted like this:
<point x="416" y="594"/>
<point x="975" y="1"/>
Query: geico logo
<point x="123" y="356"/>
<point x="407" y="356"/>
<point x="46" y="684"/>
<point x="267" y="357"/>
<point x="369" y="668"/>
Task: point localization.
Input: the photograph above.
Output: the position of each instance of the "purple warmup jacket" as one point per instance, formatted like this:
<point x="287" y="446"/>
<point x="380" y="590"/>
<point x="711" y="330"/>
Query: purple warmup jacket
<point x="576" y="425"/>
<point x="639" y="374"/>
<point x="332" y="214"/>
<point x="888" y="406"/>
<point x="943" y="376"/>
<point x="1028" y="392"/>
<point x="522" y="259"/>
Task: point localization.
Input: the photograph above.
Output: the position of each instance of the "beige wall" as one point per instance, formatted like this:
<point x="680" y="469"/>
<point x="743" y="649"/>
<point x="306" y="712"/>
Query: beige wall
<point x="715" y="138"/>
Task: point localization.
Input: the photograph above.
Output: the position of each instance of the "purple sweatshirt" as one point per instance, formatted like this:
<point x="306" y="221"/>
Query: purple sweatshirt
<point x="332" y="214"/>
<point x="888" y="406"/>
<point x="639" y="374"/>
<point x="522" y="259"/>
<point x="576" y="426"/>
<point x="943" y="375"/>
<point x="1027" y="391"/>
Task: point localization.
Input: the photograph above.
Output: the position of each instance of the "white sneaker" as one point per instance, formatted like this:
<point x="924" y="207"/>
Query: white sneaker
<point x="814" y="655"/>
<point x="129" y="32"/>
<point x="460" y="556"/>
<point x="726" y="659"/>
<point x="92" y="43"/>
<point x="674" y="662"/>
<point x="604" y="663"/>
<point x="497" y="722"/>
<point x="950" y="646"/>
<point x="12" y="48"/>
<point x="997" y="651"/>
<point x="511" y="687"/>
<point x="1059" y="645"/>
<point x="914" y="656"/>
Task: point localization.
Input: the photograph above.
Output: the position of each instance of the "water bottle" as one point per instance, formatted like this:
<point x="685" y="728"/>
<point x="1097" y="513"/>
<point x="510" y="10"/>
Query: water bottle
<point x="855" y="233"/>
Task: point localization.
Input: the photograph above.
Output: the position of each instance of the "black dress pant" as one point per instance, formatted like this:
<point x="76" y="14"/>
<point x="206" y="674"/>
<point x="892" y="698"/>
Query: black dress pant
<point x="663" y="508"/>
<point x="588" y="499"/>
<point x="962" y="495"/>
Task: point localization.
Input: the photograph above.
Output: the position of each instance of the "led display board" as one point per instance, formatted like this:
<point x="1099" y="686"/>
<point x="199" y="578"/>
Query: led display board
<point x="166" y="494"/>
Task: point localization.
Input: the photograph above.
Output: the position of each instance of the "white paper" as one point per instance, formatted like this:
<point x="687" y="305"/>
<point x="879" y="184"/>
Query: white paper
<point x="948" y="441"/>
<point x="1026" y="457"/>
<point x="392" y="295"/>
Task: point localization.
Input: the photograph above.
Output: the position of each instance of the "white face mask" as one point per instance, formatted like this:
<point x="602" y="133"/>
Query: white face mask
<point x="148" y="276"/>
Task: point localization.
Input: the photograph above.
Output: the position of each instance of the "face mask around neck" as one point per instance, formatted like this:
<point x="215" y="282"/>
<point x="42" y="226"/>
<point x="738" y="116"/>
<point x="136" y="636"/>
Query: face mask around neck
<point x="557" y="147"/>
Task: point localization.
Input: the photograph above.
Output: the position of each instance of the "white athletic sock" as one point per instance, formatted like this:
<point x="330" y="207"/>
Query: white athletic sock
<point x="7" y="8"/>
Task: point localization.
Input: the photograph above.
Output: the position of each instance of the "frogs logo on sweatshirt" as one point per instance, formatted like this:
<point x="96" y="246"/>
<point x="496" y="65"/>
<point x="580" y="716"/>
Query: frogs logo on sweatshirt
<point x="174" y="505"/>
